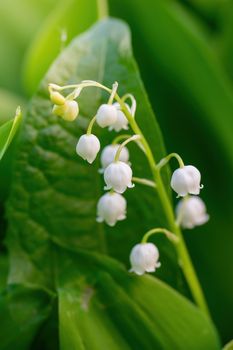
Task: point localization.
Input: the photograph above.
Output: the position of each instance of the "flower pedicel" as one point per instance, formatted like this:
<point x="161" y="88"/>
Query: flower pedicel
<point x="117" y="115"/>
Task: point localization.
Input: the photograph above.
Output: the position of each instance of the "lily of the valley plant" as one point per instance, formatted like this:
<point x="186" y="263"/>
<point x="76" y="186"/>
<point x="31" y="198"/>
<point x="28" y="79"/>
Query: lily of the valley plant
<point x="117" y="115"/>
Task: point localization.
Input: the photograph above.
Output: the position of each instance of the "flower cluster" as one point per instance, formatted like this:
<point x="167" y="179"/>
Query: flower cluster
<point x="117" y="115"/>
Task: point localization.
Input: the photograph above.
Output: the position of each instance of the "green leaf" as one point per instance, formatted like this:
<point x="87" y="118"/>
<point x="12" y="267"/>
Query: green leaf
<point x="228" y="346"/>
<point x="18" y="25"/>
<point x="102" y="306"/>
<point x="61" y="189"/>
<point x="192" y="95"/>
<point x="8" y="130"/>
<point x="53" y="198"/>
<point x="22" y="311"/>
<point x="224" y="39"/>
<point x="71" y="17"/>
<point x="4" y="265"/>
<point x="189" y="64"/>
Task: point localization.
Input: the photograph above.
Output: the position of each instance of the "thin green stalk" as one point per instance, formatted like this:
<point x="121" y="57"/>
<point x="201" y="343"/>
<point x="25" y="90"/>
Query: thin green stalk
<point x="145" y="182"/>
<point x="171" y="236"/>
<point x="90" y="126"/>
<point x="165" y="160"/>
<point x="102" y="6"/>
<point x="120" y="137"/>
<point x="185" y="260"/>
<point x="120" y="148"/>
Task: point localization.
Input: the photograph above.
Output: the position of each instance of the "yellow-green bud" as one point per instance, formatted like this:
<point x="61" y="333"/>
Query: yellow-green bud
<point x="57" y="98"/>
<point x="68" y="111"/>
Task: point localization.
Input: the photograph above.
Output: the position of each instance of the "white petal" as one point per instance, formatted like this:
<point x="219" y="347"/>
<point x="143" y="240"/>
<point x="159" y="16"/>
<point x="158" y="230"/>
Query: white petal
<point x="106" y="115"/>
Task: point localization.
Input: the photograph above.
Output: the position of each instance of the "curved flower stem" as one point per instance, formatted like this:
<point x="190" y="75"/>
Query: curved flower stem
<point x="118" y="152"/>
<point x="90" y="126"/>
<point x="113" y="93"/>
<point x="166" y="159"/>
<point x="145" y="182"/>
<point x="184" y="258"/>
<point x="120" y="137"/>
<point x="171" y="236"/>
<point x="133" y="102"/>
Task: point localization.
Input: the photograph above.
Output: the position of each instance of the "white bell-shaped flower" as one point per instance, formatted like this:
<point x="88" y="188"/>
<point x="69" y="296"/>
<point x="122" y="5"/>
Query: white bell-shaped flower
<point x="88" y="147"/>
<point x="106" y="115"/>
<point x="121" y="122"/>
<point x="191" y="212"/>
<point x="108" y="155"/>
<point x="111" y="208"/>
<point x="186" y="180"/>
<point x="144" y="258"/>
<point x="68" y="111"/>
<point x="118" y="176"/>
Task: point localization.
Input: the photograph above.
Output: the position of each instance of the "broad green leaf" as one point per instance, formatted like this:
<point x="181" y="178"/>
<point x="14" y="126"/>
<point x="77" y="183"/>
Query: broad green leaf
<point x="224" y="39"/>
<point x="22" y="311"/>
<point x="187" y="86"/>
<point x="100" y="303"/>
<point x="189" y="64"/>
<point x="4" y="264"/>
<point x="19" y="21"/>
<point x="208" y="8"/>
<point x="228" y="346"/>
<point x="54" y="195"/>
<point x="60" y="195"/>
<point x="69" y="18"/>
<point x="8" y="130"/>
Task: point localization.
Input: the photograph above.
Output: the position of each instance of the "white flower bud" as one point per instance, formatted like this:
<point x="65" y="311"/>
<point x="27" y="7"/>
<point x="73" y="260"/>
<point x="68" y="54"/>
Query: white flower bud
<point x="88" y="147"/>
<point x="108" y="155"/>
<point x="118" y="176"/>
<point x="144" y="258"/>
<point x="68" y="111"/>
<point x="57" y="98"/>
<point x="186" y="180"/>
<point x="191" y="212"/>
<point x="106" y="115"/>
<point x="121" y="121"/>
<point x="111" y="208"/>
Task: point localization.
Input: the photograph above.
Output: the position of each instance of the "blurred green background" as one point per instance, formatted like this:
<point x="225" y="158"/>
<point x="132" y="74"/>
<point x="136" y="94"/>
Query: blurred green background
<point x="184" y="50"/>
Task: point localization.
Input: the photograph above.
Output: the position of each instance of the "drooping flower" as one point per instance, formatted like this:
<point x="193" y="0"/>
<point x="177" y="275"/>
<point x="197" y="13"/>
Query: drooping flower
<point x="108" y="155"/>
<point x="144" y="258"/>
<point x="111" y="208"/>
<point x="106" y="115"/>
<point x="118" y="176"/>
<point x="186" y="180"/>
<point x="191" y="212"/>
<point x="121" y="122"/>
<point x="68" y="111"/>
<point x="88" y="147"/>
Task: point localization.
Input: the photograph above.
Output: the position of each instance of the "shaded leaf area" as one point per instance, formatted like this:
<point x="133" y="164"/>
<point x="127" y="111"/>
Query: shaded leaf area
<point x="23" y="310"/>
<point x="223" y="43"/>
<point x="100" y="306"/>
<point x="188" y="87"/>
<point x="54" y="192"/>
<point x="110" y="309"/>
